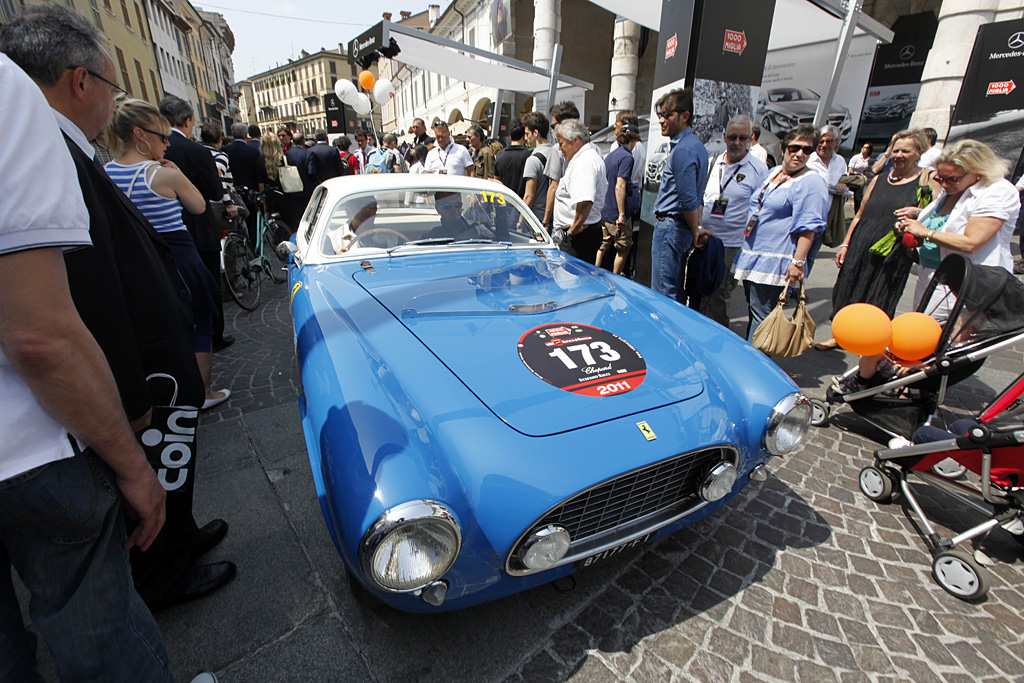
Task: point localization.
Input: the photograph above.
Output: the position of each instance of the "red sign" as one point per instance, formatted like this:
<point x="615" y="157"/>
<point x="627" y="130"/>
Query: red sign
<point x="735" y="41"/>
<point x="1001" y="88"/>
<point x="670" y="45"/>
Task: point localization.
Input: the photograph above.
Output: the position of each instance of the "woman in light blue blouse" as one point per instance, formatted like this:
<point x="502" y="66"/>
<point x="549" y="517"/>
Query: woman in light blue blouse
<point x="784" y="216"/>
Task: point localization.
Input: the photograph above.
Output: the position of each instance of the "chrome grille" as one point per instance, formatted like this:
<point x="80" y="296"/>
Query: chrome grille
<point x="633" y="495"/>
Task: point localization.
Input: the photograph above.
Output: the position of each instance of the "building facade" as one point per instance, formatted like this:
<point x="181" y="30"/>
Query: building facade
<point x="292" y="95"/>
<point x="124" y="24"/>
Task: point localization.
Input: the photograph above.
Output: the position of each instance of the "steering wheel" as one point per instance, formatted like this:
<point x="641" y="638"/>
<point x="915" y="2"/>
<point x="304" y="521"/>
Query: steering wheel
<point x="386" y="238"/>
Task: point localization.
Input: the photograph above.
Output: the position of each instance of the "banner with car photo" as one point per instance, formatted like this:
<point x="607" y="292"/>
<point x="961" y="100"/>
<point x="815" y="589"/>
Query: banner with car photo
<point x="795" y="76"/>
<point x="892" y="90"/>
<point x="990" y="108"/>
<point x="730" y="50"/>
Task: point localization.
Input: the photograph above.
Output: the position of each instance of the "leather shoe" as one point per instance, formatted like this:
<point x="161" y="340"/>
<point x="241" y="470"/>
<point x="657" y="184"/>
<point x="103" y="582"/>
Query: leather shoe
<point x="199" y="581"/>
<point x="223" y="343"/>
<point x="209" y="536"/>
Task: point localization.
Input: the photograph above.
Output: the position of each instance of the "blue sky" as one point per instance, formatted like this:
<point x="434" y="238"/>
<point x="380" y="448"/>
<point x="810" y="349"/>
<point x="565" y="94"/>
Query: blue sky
<point x="262" y="41"/>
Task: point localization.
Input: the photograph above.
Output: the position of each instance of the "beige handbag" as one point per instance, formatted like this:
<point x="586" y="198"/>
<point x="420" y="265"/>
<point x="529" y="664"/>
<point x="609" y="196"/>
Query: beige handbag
<point x="289" y="177"/>
<point x="779" y="336"/>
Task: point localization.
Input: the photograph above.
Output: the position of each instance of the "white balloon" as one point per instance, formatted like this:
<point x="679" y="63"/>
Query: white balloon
<point x="346" y="91"/>
<point x="362" y="104"/>
<point x="383" y="91"/>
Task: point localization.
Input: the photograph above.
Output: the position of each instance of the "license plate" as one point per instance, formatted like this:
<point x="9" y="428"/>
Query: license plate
<point x="615" y="551"/>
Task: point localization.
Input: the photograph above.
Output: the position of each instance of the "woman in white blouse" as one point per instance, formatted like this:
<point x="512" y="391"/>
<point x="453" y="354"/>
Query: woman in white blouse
<point x="983" y="215"/>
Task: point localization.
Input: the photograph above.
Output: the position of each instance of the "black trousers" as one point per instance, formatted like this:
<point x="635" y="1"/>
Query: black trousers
<point x="587" y="242"/>
<point x="211" y="259"/>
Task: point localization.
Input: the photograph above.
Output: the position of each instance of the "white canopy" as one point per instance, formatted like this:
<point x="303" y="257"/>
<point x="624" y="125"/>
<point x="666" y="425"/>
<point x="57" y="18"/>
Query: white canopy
<point x="466" y="63"/>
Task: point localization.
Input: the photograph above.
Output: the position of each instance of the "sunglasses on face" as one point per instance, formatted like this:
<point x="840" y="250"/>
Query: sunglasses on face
<point x="448" y="206"/>
<point x="949" y="180"/>
<point x="666" y="114"/>
<point x="734" y="138"/>
<point x="163" y="138"/>
<point x="806" y="149"/>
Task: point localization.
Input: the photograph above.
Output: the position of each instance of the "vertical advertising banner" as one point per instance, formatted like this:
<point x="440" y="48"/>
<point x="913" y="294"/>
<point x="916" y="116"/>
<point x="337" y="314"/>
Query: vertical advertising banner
<point x="795" y="76"/>
<point x="893" y="89"/>
<point x="990" y="108"/>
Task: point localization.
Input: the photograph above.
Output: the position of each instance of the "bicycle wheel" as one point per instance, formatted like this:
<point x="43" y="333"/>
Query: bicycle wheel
<point x="242" y="279"/>
<point x="275" y="232"/>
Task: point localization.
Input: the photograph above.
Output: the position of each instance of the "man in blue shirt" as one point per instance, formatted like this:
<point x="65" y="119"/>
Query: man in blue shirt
<point x="615" y="224"/>
<point x="680" y="197"/>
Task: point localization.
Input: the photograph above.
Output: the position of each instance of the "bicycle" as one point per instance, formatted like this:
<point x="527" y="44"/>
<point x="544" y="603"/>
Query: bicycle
<point x="243" y="267"/>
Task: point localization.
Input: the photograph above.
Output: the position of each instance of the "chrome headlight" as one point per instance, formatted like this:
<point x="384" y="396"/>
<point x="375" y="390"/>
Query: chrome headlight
<point x="788" y="424"/>
<point x="410" y="545"/>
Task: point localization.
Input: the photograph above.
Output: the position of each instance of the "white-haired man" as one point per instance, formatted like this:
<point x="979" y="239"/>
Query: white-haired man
<point x="580" y="196"/>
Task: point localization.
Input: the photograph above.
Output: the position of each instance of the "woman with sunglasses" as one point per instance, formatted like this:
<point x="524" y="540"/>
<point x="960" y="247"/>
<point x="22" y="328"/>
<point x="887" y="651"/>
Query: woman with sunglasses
<point x="138" y="134"/>
<point x="784" y="216"/>
<point x="866" y="276"/>
<point x="975" y="214"/>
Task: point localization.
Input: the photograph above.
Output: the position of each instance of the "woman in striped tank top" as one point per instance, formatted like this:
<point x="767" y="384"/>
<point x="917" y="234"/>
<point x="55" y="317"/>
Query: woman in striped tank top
<point x="159" y="190"/>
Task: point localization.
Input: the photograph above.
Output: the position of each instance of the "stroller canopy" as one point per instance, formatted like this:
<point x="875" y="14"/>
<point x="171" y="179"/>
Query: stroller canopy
<point x="989" y="301"/>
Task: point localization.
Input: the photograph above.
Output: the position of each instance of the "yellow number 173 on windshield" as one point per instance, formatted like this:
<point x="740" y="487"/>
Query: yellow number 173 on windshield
<point x="493" y="197"/>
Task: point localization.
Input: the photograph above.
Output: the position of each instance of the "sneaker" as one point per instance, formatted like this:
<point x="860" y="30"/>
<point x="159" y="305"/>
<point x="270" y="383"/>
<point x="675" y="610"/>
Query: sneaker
<point x="1018" y="267"/>
<point x="850" y="384"/>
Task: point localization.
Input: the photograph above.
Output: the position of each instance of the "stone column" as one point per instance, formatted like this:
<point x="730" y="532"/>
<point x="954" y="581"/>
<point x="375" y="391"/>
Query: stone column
<point x="547" y="20"/>
<point x="944" y="71"/>
<point x="625" y="60"/>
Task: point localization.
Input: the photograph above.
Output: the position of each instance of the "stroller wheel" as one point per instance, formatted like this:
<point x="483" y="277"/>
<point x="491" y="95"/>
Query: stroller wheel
<point x="960" y="575"/>
<point x="819" y="413"/>
<point x="948" y="468"/>
<point x="875" y="484"/>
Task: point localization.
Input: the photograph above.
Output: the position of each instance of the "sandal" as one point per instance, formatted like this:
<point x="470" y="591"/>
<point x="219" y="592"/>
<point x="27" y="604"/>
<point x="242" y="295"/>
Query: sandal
<point x="827" y="345"/>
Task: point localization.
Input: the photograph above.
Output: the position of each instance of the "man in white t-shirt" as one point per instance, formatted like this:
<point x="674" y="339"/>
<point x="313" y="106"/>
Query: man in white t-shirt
<point x="580" y="196"/>
<point x="448" y="156"/>
<point x="827" y="163"/>
<point x="734" y="176"/>
<point x="931" y="154"/>
<point x="61" y="524"/>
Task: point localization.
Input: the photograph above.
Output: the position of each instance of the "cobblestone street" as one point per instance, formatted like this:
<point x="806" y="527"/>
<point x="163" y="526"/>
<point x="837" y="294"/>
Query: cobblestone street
<point x="800" y="578"/>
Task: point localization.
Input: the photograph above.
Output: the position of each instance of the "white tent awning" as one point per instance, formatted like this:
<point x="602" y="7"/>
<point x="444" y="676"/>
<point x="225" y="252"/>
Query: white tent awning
<point x="465" y="63"/>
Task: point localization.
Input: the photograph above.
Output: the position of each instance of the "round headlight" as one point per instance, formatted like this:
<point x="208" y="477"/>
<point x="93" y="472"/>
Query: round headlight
<point x="788" y="424"/>
<point x="411" y="545"/>
<point x="544" y="548"/>
<point x="719" y="482"/>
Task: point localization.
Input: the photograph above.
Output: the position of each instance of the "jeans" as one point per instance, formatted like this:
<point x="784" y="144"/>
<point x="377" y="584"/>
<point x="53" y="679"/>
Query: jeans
<point x="761" y="300"/>
<point x="671" y="242"/>
<point x="61" y="528"/>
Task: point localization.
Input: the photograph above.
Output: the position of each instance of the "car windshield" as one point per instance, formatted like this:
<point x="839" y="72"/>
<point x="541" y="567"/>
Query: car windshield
<point x="792" y="95"/>
<point x="428" y="217"/>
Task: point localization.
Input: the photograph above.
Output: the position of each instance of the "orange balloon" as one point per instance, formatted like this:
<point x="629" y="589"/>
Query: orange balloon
<point x="366" y="79"/>
<point x="914" y="336"/>
<point x="862" y="329"/>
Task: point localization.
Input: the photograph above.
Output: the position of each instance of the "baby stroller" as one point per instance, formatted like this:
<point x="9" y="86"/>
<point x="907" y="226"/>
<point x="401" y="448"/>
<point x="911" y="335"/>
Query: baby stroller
<point x="984" y="313"/>
<point x="993" y="449"/>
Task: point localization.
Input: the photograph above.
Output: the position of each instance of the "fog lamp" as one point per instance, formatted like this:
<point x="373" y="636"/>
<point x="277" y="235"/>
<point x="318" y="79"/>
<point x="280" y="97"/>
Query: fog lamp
<point x="719" y="482"/>
<point x="544" y="548"/>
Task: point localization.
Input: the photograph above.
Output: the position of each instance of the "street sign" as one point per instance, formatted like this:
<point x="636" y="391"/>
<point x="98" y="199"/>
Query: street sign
<point x="735" y="41"/>
<point x="1001" y="88"/>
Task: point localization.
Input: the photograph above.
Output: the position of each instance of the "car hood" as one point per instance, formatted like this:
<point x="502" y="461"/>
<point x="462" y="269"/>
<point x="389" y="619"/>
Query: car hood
<point x="796" y="107"/>
<point x="548" y="343"/>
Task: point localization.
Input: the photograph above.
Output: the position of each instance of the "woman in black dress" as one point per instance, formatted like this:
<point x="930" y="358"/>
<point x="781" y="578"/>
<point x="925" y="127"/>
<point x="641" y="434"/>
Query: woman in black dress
<point x="865" y="277"/>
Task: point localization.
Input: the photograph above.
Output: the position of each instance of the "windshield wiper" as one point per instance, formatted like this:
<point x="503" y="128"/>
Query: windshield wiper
<point x="479" y="240"/>
<point x="431" y="240"/>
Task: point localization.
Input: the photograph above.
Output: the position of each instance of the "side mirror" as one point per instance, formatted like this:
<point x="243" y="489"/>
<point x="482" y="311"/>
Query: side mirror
<point x="286" y="249"/>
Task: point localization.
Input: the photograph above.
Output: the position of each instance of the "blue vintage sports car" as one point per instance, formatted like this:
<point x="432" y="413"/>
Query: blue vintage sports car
<point x="485" y="414"/>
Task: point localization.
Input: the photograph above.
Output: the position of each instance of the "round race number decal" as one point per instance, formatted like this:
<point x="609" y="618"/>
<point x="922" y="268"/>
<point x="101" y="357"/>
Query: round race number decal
<point x="582" y="359"/>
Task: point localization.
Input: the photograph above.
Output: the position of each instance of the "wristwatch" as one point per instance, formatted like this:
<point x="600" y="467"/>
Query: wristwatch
<point x="928" y="237"/>
<point x="799" y="263"/>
